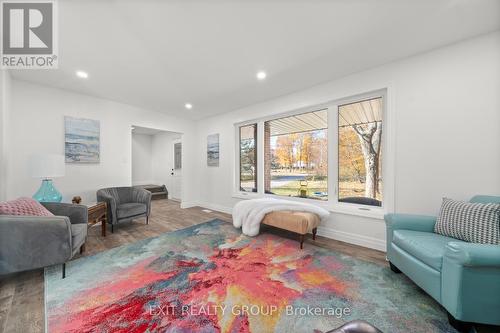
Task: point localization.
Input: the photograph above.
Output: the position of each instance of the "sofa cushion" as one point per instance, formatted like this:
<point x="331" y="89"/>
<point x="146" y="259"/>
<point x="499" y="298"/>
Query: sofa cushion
<point x="299" y="222"/>
<point x="23" y="206"/>
<point x="130" y="209"/>
<point x="426" y="246"/>
<point x="469" y="221"/>
<point x="78" y="234"/>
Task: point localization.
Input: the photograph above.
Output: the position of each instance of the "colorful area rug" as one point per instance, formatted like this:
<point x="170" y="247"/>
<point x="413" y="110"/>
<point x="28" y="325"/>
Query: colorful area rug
<point x="211" y="278"/>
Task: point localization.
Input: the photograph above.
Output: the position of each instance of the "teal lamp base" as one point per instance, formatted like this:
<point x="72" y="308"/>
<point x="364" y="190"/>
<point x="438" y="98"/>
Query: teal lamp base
<point x="47" y="192"/>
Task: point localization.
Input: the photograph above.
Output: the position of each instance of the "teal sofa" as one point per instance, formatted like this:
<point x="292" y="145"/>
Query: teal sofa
<point x="463" y="277"/>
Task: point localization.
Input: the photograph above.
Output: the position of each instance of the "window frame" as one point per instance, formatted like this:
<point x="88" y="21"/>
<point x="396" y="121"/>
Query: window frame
<point x="237" y="187"/>
<point x="331" y="203"/>
<point x="333" y="169"/>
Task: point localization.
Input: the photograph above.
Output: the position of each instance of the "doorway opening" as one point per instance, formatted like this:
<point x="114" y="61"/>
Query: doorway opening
<point x="157" y="162"/>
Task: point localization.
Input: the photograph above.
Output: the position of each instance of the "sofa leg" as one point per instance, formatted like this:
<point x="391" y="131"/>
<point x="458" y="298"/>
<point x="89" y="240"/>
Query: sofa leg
<point x="63" y="270"/>
<point x="461" y="326"/>
<point x="82" y="248"/>
<point x="147" y="219"/>
<point x="301" y="239"/>
<point x="315" y="230"/>
<point x="394" y="268"/>
<point x="112" y="229"/>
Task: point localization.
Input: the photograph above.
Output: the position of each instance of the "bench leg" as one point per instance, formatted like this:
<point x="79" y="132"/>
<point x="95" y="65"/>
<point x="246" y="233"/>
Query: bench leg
<point x="315" y="230"/>
<point x="301" y="239"/>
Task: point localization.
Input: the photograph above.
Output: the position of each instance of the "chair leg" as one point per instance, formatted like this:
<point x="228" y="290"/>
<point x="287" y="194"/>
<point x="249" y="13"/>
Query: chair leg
<point x="63" y="270"/>
<point x="461" y="326"/>
<point x="82" y="248"/>
<point x="301" y="239"/>
<point x="394" y="268"/>
<point x="315" y="230"/>
<point x="147" y="219"/>
<point x="112" y="229"/>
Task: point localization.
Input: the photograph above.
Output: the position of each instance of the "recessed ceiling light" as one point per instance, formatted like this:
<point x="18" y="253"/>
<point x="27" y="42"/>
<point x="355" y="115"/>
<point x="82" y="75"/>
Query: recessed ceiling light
<point x="82" y="74"/>
<point x="261" y="75"/>
<point x="188" y="106"/>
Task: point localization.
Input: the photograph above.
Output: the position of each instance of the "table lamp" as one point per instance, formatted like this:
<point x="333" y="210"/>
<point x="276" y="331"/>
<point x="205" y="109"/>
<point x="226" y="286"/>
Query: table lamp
<point x="47" y="167"/>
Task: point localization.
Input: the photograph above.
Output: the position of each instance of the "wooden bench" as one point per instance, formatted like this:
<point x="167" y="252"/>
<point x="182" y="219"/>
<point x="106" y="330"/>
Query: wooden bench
<point x="300" y="223"/>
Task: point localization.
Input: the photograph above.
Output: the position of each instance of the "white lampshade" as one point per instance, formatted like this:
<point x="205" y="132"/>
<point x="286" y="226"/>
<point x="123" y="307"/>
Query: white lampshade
<point x="47" y="166"/>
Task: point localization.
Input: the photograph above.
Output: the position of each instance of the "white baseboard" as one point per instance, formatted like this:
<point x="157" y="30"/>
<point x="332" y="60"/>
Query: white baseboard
<point x="361" y="240"/>
<point x="219" y="208"/>
<point x="188" y="204"/>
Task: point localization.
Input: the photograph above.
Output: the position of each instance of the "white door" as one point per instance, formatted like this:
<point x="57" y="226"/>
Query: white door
<point x="176" y="172"/>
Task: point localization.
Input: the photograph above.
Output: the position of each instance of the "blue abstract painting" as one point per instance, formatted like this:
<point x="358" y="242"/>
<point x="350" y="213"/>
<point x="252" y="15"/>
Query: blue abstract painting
<point x="213" y="150"/>
<point x="81" y="140"/>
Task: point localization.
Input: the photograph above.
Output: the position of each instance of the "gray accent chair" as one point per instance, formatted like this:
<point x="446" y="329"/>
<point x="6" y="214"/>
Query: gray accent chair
<point x="31" y="242"/>
<point x="125" y="204"/>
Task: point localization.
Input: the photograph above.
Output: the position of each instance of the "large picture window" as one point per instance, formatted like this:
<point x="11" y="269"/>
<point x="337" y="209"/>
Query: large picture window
<point x="334" y="153"/>
<point x="359" y="152"/>
<point x="248" y="158"/>
<point x="296" y="156"/>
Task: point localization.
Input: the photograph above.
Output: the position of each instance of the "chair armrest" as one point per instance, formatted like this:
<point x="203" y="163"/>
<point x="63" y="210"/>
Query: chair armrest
<point x="473" y="255"/>
<point x="76" y="213"/>
<point x="142" y="196"/>
<point x="470" y="288"/>
<point x="29" y="242"/>
<point x="103" y="196"/>
<point x="410" y="222"/>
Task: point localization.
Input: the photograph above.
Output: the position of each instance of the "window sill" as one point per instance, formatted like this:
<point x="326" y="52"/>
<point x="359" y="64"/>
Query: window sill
<point x="246" y="195"/>
<point x="377" y="213"/>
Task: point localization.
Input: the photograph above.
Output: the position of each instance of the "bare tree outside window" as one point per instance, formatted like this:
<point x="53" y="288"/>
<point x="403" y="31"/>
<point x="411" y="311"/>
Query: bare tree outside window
<point x="360" y="141"/>
<point x="248" y="158"/>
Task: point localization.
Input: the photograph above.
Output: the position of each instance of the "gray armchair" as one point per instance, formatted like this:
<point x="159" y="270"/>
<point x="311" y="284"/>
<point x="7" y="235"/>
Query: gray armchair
<point x="125" y="203"/>
<point x="30" y="242"/>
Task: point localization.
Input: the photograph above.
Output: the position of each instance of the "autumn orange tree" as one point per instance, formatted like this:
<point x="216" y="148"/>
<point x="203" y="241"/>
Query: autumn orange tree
<point x="285" y="150"/>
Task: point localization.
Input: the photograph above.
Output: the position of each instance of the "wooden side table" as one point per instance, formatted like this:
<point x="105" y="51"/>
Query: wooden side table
<point x="98" y="212"/>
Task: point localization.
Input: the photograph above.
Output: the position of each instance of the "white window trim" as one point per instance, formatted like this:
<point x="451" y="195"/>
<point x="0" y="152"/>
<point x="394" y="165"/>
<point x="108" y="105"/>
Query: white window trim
<point x="236" y="187"/>
<point x="388" y="149"/>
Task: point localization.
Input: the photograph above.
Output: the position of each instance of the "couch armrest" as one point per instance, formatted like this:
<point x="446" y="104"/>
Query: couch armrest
<point x="29" y="242"/>
<point x="474" y="255"/>
<point x="76" y="213"/>
<point x="143" y="196"/>
<point x="410" y="222"/>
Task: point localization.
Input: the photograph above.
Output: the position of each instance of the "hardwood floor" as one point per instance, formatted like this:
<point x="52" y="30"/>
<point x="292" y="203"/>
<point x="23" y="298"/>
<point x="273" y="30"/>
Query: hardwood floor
<point x="21" y="294"/>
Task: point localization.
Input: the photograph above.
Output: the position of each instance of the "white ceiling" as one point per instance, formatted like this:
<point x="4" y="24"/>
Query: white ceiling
<point x="161" y="54"/>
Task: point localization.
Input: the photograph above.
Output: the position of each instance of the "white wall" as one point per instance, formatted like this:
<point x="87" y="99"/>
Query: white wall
<point x="37" y="125"/>
<point x="446" y="105"/>
<point x="5" y="92"/>
<point x="447" y="137"/>
<point x="142" y="159"/>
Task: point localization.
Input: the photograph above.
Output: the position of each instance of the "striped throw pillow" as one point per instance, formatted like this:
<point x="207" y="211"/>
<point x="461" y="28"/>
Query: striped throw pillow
<point x="471" y="222"/>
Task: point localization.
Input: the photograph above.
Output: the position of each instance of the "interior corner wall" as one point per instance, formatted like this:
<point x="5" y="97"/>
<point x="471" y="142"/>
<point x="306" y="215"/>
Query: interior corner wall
<point x="447" y="132"/>
<point x="36" y="125"/>
<point x="142" y="159"/>
<point x="5" y="91"/>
